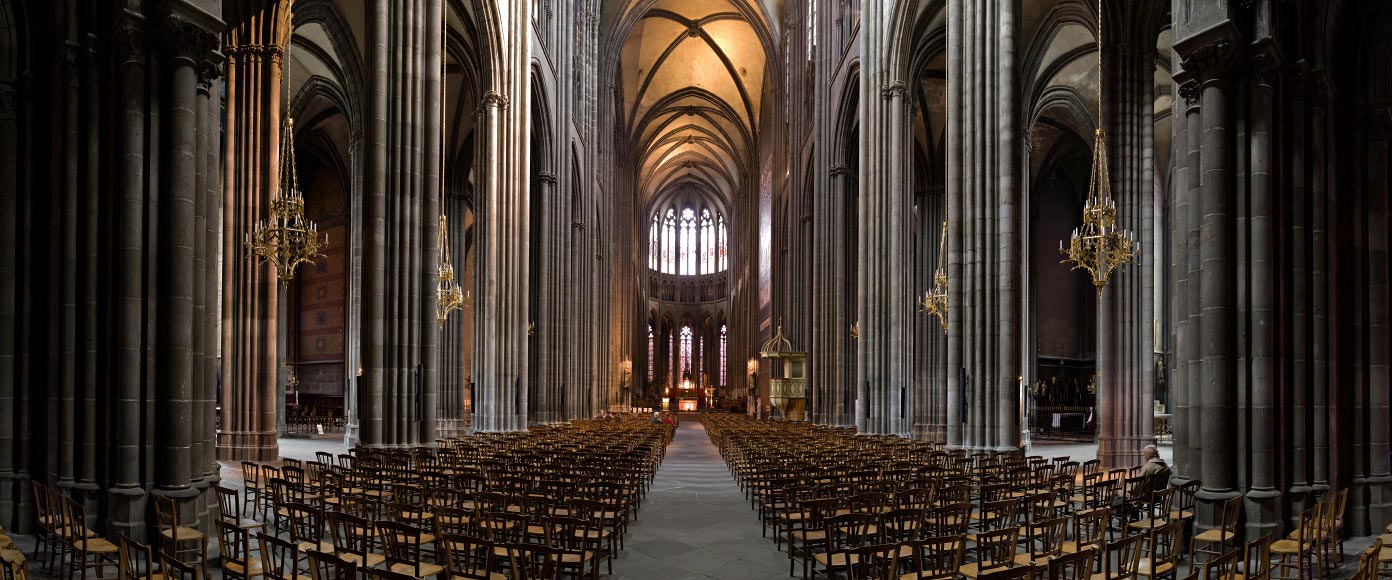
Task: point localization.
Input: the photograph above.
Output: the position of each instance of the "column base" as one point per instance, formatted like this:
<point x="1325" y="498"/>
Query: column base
<point x="1263" y="511"/>
<point x="126" y="509"/>
<point x="1300" y="500"/>
<point x="7" y="499"/>
<point x="1379" y="503"/>
<point x="248" y="446"/>
<point x="1209" y="511"/>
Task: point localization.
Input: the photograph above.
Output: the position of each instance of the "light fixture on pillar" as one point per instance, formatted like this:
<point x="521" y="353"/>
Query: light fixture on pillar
<point x="934" y="302"/>
<point x="448" y="295"/>
<point x="288" y="239"/>
<point x="1099" y="246"/>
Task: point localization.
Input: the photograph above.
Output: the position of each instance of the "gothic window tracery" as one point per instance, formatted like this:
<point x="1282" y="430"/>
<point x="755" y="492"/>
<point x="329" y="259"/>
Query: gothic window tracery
<point x="688" y="241"/>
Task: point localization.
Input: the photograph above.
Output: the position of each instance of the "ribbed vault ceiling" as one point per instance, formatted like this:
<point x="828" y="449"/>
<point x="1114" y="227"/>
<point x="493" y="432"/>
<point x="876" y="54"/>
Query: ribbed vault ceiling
<point x="691" y="76"/>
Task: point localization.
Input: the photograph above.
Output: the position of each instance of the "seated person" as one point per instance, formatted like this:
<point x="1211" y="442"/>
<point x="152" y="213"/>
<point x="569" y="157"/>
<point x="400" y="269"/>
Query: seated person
<point x="1155" y="472"/>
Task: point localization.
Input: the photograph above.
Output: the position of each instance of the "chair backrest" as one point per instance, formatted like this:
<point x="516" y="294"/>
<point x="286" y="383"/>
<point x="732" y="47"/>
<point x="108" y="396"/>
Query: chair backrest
<point x="999" y="514"/>
<point x="936" y="558"/>
<point x="280" y="559"/>
<point x="847" y="531"/>
<point x="1257" y="563"/>
<point x="384" y="574"/>
<point x="1187" y="496"/>
<point x="1090" y="526"/>
<point x="1223" y="567"/>
<point x="306" y="522"/>
<point x="236" y="548"/>
<point x="326" y="566"/>
<point x="136" y="559"/>
<point x="950" y="520"/>
<point x="1309" y="524"/>
<point x="469" y="557"/>
<point x="229" y="505"/>
<point x="1046" y="538"/>
<point x="173" y="569"/>
<point x="1075" y="566"/>
<point x="997" y="547"/>
<point x="350" y="534"/>
<point x="535" y="562"/>
<point x="1163" y="544"/>
<point x="1010" y="573"/>
<point x="898" y="525"/>
<point x="1122" y="560"/>
<point x="873" y="562"/>
<point x="1231" y="509"/>
<point x="166" y="512"/>
<point x="251" y="473"/>
<point x="401" y="544"/>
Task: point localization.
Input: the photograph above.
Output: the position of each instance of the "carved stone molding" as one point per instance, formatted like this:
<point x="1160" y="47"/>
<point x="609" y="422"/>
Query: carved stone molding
<point x="494" y="99"/>
<point x="129" y="39"/>
<point x="580" y="226"/>
<point x="892" y="90"/>
<point x="9" y="102"/>
<point x="838" y="170"/>
<point x="1189" y="91"/>
<point x="691" y="110"/>
<point x="185" y="38"/>
<point x="694" y="30"/>
<point x="547" y="177"/>
<point x="1212" y="61"/>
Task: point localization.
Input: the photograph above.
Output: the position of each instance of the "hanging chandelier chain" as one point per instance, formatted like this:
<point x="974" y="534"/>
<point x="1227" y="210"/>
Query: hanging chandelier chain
<point x="448" y="295"/>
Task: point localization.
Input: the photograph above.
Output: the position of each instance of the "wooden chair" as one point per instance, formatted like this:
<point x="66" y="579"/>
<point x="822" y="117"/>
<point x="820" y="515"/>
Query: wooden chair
<point x="471" y="558"/>
<point x="580" y="540"/>
<point x="1162" y="552"/>
<point x="1014" y="573"/>
<point x="1044" y="542"/>
<point x="230" y="509"/>
<point x="46" y="536"/>
<point x="89" y="551"/>
<point x="280" y="559"/>
<point x="237" y="561"/>
<point x="844" y="533"/>
<point x="401" y="543"/>
<point x="1155" y="511"/>
<point x="1205" y="542"/>
<point x="534" y="561"/>
<point x="1121" y="560"/>
<point x="306" y="523"/>
<point x="1224" y="567"/>
<point x="994" y="549"/>
<point x="873" y="562"/>
<point x="175" y="538"/>
<point x="254" y="489"/>
<point x="937" y="558"/>
<point x="13" y="566"/>
<point x="1089" y="530"/>
<point x="1075" y="566"/>
<point x="172" y="568"/>
<point x="1256" y="565"/>
<point x="137" y="560"/>
<point x="1300" y="550"/>
<point x="327" y="566"/>
<point x="352" y="541"/>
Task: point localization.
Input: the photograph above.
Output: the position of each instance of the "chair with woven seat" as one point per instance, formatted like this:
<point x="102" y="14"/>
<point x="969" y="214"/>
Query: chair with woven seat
<point x="328" y="566"/>
<point x="46" y="537"/>
<point x="137" y="560"/>
<point x="994" y="549"/>
<point x="1223" y="567"/>
<point x="1256" y="563"/>
<point x="1089" y="530"/>
<point x="1222" y="536"/>
<point x="469" y="557"/>
<point x="13" y="565"/>
<point x="353" y="539"/>
<point x="172" y="568"/>
<point x="1333" y="543"/>
<point x="805" y="540"/>
<point x="89" y="551"/>
<point x="1121" y="560"/>
<point x="1300" y="550"/>
<point x="235" y="546"/>
<point x="230" y="509"/>
<point x="306" y="523"/>
<point x="253" y="487"/>
<point x="402" y="547"/>
<point x="1161" y="559"/>
<point x="1044" y="542"/>
<point x="936" y="558"/>
<point x="873" y="562"/>
<point x="280" y="559"/>
<point x="1075" y="566"/>
<point x="534" y="561"/>
<point x="1155" y="511"/>
<point x="581" y="542"/>
<point x="1012" y="573"/>
<point x="844" y="533"/>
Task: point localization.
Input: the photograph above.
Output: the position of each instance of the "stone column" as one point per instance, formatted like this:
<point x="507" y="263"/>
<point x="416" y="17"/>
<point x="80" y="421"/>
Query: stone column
<point x="9" y="245"/>
<point x="1209" y="60"/>
<point x="953" y="190"/>
<point x="1379" y="320"/>
<point x="1263" y="498"/>
<point x="251" y="307"/>
<point x="127" y="497"/>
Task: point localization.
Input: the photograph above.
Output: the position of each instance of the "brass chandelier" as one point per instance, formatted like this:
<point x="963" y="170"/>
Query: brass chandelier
<point x="934" y="301"/>
<point x="448" y="295"/>
<point x="1099" y="246"/>
<point x="288" y="239"/>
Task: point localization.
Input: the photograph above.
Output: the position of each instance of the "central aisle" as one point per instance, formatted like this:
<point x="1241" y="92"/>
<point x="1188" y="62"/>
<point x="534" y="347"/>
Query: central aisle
<point x="695" y="523"/>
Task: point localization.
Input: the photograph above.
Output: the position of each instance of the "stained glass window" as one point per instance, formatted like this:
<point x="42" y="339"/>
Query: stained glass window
<point x="683" y="242"/>
<point x="685" y="349"/>
<point x="652" y="353"/>
<point x="722" y="355"/>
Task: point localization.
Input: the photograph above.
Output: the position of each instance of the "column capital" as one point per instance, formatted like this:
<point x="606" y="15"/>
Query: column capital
<point x="129" y="36"/>
<point x="838" y="170"/>
<point x="1189" y="91"/>
<point x="185" y="38"/>
<point x="891" y="90"/>
<point x="495" y="99"/>
<point x="1209" y="55"/>
<point x="547" y="177"/>
<point x="9" y="102"/>
<point x="1266" y="61"/>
